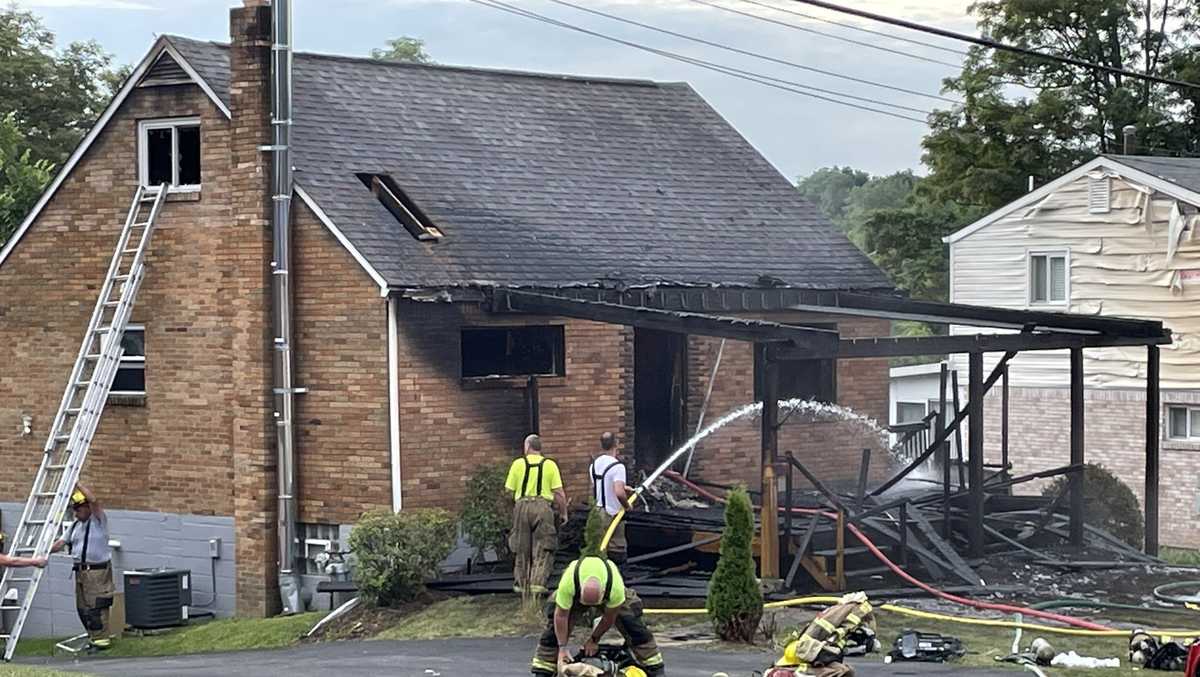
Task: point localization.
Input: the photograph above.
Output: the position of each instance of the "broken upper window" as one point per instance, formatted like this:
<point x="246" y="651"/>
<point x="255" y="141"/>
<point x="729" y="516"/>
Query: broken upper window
<point x="169" y="152"/>
<point x="814" y="380"/>
<point x="397" y="202"/>
<point x="513" y="351"/>
<point x="1048" y="277"/>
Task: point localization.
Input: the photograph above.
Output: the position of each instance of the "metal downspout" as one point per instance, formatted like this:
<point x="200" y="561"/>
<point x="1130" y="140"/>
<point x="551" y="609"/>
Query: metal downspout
<point x="285" y="390"/>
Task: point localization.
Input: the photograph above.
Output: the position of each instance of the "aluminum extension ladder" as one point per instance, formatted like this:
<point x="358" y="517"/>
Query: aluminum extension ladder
<point x="80" y="410"/>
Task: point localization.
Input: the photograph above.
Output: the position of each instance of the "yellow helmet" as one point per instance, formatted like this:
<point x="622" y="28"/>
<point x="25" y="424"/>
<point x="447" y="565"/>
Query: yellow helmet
<point x="633" y="671"/>
<point x="77" y="498"/>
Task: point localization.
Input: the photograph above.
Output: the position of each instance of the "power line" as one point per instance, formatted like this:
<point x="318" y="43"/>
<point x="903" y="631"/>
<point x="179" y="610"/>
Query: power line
<point x="814" y="31"/>
<point x="987" y="42"/>
<point x="851" y="26"/>
<point x="794" y="88"/>
<point x="764" y="57"/>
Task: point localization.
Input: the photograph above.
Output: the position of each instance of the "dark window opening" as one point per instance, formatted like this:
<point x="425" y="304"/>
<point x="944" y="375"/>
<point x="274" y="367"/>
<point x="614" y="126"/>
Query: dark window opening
<point x="131" y="373"/>
<point x="801" y="379"/>
<point x="158" y="156"/>
<point x="188" y="140"/>
<point x="397" y="202"/>
<point x="513" y="351"/>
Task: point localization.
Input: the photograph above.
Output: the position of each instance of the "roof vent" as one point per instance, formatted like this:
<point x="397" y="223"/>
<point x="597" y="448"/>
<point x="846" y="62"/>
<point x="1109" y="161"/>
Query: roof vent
<point x="165" y="71"/>
<point x="398" y="203"/>
<point x="1099" y="194"/>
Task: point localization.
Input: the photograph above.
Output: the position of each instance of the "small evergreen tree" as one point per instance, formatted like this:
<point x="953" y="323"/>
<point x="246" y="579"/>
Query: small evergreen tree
<point x="593" y="533"/>
<point x="735" y="601"/>
<point x="1108" y="503"/>
<point x="487" y="512"/>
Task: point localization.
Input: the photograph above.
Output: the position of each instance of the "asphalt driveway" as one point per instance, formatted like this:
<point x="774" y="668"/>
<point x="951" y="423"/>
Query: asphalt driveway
<point x="448" y="658"/>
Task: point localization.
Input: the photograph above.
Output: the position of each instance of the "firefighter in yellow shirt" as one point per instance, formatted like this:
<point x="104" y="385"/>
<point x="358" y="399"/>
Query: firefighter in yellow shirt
<point x="537" y="487"/>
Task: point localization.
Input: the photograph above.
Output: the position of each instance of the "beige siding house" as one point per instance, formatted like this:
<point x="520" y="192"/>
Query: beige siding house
<point x="1115" y="236"/>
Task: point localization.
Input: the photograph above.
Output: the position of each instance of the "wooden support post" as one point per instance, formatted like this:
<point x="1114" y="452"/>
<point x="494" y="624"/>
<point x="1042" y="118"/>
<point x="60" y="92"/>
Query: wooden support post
<point x="1077" y="455"/>
<point x="839" y="566"/>
<point x="975" y="419"/>
<point x="1152" y="437"/>
<point x="769" y="555"/>
<point x="943" y="381"/>
<point x="904" y="536"/>
<point x="1004" y="420"/>
<point x="958" y="445"/>
<point x="864" y="474"/>
<point x="533" y="406"/>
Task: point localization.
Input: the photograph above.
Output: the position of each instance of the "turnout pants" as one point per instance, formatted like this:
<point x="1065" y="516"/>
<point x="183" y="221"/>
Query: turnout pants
<point x="834" y="669"/>
<point x="617" y="546"/>
<point x="93" y="599"/>
<point x="533" y="540"/>
<point x="629" y="623"/>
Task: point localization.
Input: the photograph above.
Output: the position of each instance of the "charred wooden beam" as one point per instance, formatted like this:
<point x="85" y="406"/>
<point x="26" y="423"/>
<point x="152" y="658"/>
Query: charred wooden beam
<point x="975" y="457"/>
<point x="1077" y="449"/>
<point x="1152" y="444"/>
<point x="908" y="346"/>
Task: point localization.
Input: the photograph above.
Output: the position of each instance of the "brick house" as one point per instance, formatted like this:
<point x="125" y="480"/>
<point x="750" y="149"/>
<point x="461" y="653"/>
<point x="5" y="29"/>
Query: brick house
<point x="1114" y="236"/>
<point x="418" y="189"/>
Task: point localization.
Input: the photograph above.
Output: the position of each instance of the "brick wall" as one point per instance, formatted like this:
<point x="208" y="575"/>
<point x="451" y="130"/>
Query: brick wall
<point x="1039" y="439"/>
<point x="831" y="450"/>
<point x="449" y="427"/>
<point x="342" y="438"/>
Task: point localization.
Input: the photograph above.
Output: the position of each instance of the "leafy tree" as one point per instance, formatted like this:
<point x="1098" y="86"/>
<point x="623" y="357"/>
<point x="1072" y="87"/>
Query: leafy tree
<point x="735" y="601"/>
<point x="1024" y="116"/>
<point x="829" y="187"/>
<point x="54" y="96"/>
<point x="21" y="177"/>
<point x="907" y="244"/>
<point x="403" y="48"/>
<point x="881" y="192"/>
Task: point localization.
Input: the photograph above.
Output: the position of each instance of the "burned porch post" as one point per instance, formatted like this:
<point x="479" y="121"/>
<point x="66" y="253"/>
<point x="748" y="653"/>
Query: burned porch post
<point x="975" y="460"/>
<point x="1077" y="456"/>
<point x="769" y="553"/>
<point x="1152" y="436"/>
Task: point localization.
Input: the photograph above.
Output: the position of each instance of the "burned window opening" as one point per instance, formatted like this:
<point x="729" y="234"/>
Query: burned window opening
<point x="397" y="202"/>
<point x="513" y="351"/>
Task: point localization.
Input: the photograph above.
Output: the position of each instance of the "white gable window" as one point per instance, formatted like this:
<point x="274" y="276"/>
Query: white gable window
<point x="1099" y="194"/>
<point x="169" y="152"/>
<point x="1183" y="423"/>
<point x="1048" y="277"/>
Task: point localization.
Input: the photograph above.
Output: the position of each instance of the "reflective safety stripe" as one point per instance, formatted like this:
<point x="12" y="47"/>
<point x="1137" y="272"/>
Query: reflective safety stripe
<point x="825" y="625"/>
<point x="654" y="660"/>
<point x="543" y="665"/>
<point x="854" y="618"/>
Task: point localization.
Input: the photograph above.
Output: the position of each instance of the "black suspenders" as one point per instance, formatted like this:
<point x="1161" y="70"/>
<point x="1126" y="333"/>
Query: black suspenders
<point x="608" y="584"/>
<point x="598" y="482"/>
<point x="525" y="480"/>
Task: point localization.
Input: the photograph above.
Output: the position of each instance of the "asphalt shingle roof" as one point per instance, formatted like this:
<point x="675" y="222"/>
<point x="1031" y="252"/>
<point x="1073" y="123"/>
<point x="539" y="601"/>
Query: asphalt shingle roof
<point x="1181" y="171"/>
<point x="540" y="180"/>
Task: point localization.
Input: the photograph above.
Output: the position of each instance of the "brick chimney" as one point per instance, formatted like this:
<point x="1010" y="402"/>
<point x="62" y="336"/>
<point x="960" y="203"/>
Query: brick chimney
<point x="248" y="295"/>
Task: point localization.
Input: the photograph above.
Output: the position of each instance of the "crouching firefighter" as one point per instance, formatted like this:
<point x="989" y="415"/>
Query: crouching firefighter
<point x="823" y="645"/>
<point x="87" y="541"/>
<point x="594" y="583"/>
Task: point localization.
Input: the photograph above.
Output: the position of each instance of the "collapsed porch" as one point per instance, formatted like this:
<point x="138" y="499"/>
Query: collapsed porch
<point x="714" y="312"/>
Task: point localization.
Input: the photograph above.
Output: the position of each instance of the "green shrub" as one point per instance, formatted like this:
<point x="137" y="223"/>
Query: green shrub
<point x="487" y="512"/>
<point x="593" y="533"/>
<point x="1108" y="503"/>
<point x="395" y="553"/>
<point x="735" y="601"/>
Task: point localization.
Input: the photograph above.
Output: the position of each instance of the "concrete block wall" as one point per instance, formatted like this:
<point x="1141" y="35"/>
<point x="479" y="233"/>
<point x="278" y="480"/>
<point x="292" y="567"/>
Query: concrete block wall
<point x="1114" y="436"/>
<point x="149" y="540"/>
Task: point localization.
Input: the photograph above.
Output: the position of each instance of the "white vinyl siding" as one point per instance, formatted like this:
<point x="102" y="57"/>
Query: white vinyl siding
<point x="1112" y="266"/>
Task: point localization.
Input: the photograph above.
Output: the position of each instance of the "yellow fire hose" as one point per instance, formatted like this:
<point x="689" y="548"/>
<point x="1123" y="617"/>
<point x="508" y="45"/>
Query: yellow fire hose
<point x="929" y="615"/>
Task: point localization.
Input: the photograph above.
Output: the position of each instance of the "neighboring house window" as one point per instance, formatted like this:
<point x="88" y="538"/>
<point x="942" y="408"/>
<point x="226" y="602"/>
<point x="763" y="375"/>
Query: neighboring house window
<point x="131" y="374"/>
<point x="513" y="351"/>
<point x="169" y="152"/>
<point x="910" y="412"/>
<point x="1048" y="277"/>
<point x="1183" y="423"/>
<point x="1099" y="195"/>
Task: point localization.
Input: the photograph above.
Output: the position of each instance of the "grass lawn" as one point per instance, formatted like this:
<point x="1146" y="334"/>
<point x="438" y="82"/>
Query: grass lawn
<point x="24" y="671"/>
<point x="221" y="635"/>
<point x="484" y="616"/>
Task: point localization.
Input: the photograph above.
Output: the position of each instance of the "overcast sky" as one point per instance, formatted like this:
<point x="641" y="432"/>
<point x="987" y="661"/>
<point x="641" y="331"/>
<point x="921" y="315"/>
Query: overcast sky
<point x="797" y="133"/>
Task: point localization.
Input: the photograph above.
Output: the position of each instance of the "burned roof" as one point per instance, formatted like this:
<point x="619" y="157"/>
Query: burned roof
<point x="545" y="180"/>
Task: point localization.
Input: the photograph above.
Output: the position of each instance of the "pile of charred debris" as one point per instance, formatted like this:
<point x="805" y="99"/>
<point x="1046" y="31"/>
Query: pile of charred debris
<point x="674" y="538"/>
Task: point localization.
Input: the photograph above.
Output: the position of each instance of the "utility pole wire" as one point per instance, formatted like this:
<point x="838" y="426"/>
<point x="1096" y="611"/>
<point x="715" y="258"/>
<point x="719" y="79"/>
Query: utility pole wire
<point x="768" y="81"/>
<point x="806" y="29"/>
<point x="764" y="57"/>
<point x="851" y="26"/>
<point x="993" y="44"/>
